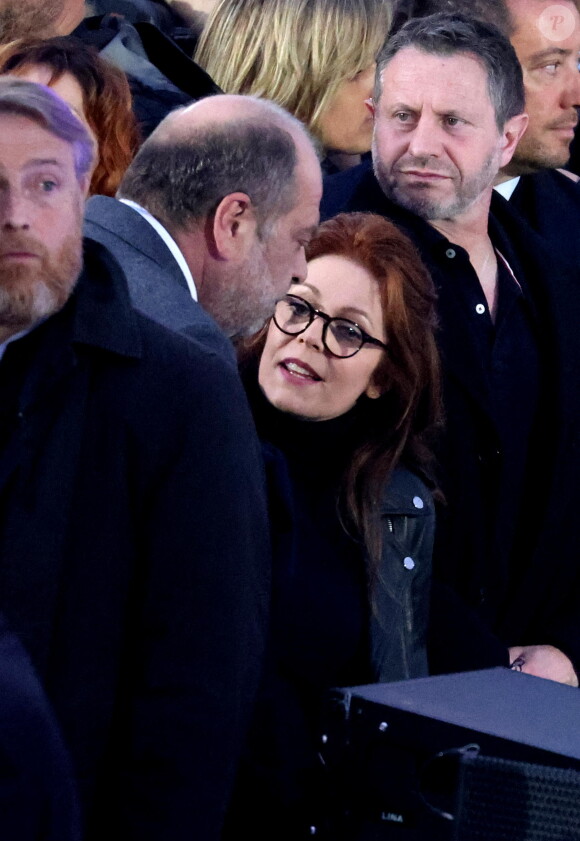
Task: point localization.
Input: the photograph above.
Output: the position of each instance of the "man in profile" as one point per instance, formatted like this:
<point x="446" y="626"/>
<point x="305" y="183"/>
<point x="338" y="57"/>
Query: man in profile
<point x="546" y="38"/>
<point x="214" y="214"/>
<point x="134" y="552"/>
<point x="449" y="113"/>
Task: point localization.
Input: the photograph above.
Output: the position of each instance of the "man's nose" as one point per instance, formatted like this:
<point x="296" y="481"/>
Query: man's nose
<point x="425" y="139"/>
<point x="572" y="89"/>
<point x="14" y="209"/>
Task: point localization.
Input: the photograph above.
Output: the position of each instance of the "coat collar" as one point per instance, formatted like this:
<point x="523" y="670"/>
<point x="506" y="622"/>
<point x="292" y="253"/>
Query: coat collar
<point x="103" y="316"/>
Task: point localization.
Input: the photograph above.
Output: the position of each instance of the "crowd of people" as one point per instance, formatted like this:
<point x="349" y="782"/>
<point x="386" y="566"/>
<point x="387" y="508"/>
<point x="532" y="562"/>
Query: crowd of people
<point x="247" y="456"/>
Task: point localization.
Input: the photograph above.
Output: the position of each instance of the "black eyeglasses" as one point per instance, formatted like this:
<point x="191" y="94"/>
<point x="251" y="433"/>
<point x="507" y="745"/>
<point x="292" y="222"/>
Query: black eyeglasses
<point x="340" y="336"/>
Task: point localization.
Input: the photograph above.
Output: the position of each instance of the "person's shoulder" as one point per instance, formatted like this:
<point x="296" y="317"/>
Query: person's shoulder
<point x="156" y="346"/>
<point x="172" y="355"/>
<point x="348" y="190"/>
<point x="552" y="183"/>
<point x="105" y="211"/>
<point x="407" y="493"/>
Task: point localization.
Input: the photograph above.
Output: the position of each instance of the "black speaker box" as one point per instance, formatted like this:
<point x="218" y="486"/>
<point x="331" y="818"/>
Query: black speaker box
<point x="487" y="755"/>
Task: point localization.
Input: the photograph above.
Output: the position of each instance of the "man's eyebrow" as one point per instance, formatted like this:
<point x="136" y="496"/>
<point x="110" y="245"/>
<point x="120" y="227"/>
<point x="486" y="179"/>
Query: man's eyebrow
<point x="43" y="162"/>
<point x="550" y="52"/>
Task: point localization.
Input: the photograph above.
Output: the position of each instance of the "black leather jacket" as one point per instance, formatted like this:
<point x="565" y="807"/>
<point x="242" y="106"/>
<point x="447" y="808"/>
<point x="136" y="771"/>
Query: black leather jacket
<point x="400" y="596"/>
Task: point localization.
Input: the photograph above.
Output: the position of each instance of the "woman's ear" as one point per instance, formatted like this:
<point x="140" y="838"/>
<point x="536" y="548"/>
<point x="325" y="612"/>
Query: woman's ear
<point x="373" y="391"/>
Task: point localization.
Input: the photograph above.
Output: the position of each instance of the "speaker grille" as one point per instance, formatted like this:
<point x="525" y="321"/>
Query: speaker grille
<point x="502" y="800"/>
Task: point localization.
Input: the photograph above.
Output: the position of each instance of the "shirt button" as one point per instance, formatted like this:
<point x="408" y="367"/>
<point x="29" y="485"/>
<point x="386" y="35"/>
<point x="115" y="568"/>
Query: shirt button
<point x="450" y="253"/>
<point x="480" y="309"/>
<point x="418" y="502"/>
<point x="408" y="563"/>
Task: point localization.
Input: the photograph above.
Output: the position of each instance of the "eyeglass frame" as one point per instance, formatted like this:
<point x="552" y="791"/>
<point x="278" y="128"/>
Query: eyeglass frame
<point x="367" y="339"/>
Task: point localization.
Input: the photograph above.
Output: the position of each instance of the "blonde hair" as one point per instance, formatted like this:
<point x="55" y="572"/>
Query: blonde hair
<point x="294" y="52"/>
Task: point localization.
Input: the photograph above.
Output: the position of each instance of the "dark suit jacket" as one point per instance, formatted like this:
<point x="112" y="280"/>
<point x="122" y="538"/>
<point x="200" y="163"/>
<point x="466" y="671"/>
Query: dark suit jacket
<point x="550" y="203"/>
<point x="156" y="283"/>
<point x="543" y="604"/>
<point x="134" y="555"/>
<point x="38" y="800"/>
<point x="574" y="163"/>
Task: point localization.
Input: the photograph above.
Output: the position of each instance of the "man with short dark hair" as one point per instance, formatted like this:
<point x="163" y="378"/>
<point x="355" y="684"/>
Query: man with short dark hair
<point x="134" y="551"/>
<point x="222" y="198"/>
<point x="546" y="38"/>
<point x="448" y="116"/>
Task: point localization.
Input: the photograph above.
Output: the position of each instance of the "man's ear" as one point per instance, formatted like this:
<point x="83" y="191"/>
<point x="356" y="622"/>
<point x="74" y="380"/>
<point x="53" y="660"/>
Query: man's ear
<point x="234" y="227"/>
<point x="511" y="136"/>
<point x="370" y="104"/>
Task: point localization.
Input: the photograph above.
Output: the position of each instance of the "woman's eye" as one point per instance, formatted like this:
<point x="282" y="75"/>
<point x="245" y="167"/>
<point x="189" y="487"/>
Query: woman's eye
<point x="346" y="332"/>
<point x="297" y="309"/>
<point x="47" y="185"/>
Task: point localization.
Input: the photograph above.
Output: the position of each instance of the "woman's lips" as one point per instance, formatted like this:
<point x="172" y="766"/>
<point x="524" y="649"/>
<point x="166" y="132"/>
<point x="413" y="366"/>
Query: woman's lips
<point x="297" y="371"/>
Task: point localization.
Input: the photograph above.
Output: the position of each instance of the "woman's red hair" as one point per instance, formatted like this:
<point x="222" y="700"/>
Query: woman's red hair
<point x="106" y="98"/>
<point x="399" y="425"/>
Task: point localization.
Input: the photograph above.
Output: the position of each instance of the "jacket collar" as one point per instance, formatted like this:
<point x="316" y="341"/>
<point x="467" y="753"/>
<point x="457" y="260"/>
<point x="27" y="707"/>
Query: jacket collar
<point x="103" y="316"/>
<point x="128" y="225"/>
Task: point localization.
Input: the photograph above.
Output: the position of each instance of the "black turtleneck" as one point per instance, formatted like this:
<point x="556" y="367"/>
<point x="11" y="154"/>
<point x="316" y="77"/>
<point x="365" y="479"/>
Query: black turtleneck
<point x="320" y="618"/>
<point x="321" y="605"/>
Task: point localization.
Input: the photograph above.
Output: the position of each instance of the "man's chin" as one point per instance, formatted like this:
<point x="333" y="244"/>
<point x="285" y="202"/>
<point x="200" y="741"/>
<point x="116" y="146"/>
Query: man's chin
<point x="527" y="162"/>
<point x="419" y="203"/>
<point x="29" y="294"/>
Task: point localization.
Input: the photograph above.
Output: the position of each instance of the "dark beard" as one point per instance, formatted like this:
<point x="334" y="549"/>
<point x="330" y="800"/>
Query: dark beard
<point x="25" y="18"/>
<point x="31" y="292"/>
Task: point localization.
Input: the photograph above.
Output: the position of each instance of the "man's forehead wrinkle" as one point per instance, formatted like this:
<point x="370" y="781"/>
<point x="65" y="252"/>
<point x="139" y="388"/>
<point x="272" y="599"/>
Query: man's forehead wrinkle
<point x="455" y="99"/>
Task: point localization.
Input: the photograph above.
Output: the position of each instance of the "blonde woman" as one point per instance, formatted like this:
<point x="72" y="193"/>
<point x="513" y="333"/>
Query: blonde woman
<point x="316" y="58"/>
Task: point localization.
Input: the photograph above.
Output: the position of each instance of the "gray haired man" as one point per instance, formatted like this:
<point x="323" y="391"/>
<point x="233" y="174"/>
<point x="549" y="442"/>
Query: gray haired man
<point x="216" y="208"/>
<point x="448" y="113"/>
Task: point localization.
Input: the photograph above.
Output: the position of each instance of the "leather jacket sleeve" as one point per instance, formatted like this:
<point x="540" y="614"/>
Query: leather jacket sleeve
<point x="401" y="591"/>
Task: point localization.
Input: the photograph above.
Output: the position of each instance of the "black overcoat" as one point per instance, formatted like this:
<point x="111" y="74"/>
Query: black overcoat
<point x="134" y="555"/>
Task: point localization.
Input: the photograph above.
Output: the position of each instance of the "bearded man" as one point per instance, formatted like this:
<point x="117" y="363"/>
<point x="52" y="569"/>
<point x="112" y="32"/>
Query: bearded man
<point x="213" y="216"/>
<point x="134" y="550"/>
<point x="449" y="113"/>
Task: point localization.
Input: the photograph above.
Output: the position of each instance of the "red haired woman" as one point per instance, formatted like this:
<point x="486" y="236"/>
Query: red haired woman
<point x="95" y="89"/>
<point x="344" y="381"/>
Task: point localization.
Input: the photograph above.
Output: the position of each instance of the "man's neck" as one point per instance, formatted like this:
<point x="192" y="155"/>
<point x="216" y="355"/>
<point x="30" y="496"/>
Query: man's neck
<point x="468" y="229"/>
<point x="504" y="176"/>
